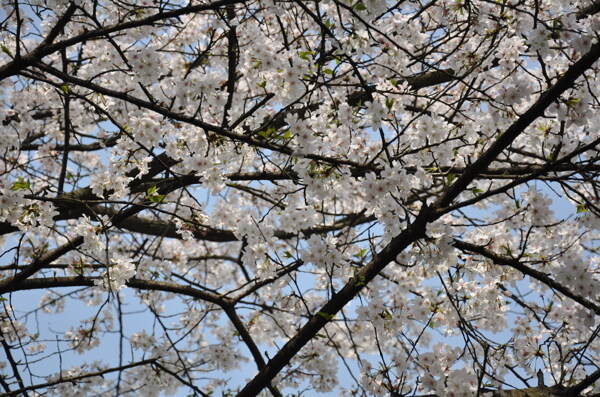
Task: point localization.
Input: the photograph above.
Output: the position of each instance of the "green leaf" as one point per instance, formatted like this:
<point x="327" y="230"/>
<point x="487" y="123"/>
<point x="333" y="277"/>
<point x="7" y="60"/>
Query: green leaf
<point x="580" y="208"/>
<point x="157" y="198"/>
<point x="20" y="184"/>
<point x="154" y="197"/>
<point x="306" y="55"/>
<point x="360" y="6"/>
<point x="267" y="133"/>
<point x="321" y="336"/>
<point x="386" y="315"/>
<point x="360" y="281"/>
<point x="64" y="88"/>
<point x="361" y="254"/>
<point x="571" y="102"/>
<point x="40" y="251"/>
<point x="151" y="190"/>
<point x="328" y="71"/>
<point x="6" y="50"/>
<point x="326" y="316"/>
<point x="476" y="191"/>
<point x="389" y="102"/>
<point x="451" y="177"/>
<point x="78" y="269"/>
<point x="262" y="84"/>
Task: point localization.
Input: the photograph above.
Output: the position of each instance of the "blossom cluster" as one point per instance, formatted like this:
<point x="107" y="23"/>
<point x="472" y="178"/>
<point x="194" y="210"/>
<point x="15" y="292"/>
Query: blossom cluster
<point x="199" y="183"/>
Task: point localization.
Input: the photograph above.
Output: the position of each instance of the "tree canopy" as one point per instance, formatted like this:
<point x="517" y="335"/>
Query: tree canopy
<point x="275" y="197"/>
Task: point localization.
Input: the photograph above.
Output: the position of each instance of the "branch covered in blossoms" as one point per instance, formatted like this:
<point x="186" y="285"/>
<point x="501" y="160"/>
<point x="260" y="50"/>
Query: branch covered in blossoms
<point x="286" y="197"/>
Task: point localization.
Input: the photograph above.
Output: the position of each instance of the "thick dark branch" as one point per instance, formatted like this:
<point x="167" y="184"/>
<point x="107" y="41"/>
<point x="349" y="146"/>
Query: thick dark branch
<point x="540" y="391"/>
<point x="74" y="379"/>
<point x="249" y="139"/>
<point x="416" y="230"/>
<point x="86" y="147"/>
<point x="503" y="260"/>
<point x="247" y="338"/>
<point x="560" y="165"/>
<point x="411" y="234"/>
<point x="22" y="62"/>
<point x="592" y="9"/>
<point x="13" y="364"/>
<point x="536" y="110"/>
<point x="79" y="281"/>
<point x="44" y="260"/>
<point x="180" y="379"/>
<point x="72" y="205"/>
<point x="584" y="384"/>
<point x="201" y="232"/>
<point x="46" y="47"/>
<point x="233" y="54"/>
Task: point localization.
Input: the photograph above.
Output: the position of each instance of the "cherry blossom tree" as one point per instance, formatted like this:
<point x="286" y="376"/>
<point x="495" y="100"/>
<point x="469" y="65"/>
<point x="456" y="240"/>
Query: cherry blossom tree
<point x="275" y="197"/>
